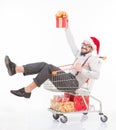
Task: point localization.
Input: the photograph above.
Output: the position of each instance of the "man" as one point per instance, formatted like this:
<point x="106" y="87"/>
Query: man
<point x="84" y="67"/>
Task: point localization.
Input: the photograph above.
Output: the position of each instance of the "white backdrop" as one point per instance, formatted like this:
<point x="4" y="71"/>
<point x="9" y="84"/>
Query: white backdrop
<point x="28" y="34"/>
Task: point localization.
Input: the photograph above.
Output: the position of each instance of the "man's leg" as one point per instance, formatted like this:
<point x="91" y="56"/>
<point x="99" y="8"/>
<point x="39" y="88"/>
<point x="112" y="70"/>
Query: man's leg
<point x="24" y="92"/>
<point x="28" y="69"/>
<point x="44" y="72"/>
<point x="41" y="68"/>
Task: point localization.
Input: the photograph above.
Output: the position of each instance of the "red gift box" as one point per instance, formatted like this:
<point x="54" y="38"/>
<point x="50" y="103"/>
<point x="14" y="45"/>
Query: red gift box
<point x="61" y="22"/>
<point x="61" y="19"/>
<point x="59" y="98"/>
<point x="70" y="96"/>
<point x="79" y="103"/>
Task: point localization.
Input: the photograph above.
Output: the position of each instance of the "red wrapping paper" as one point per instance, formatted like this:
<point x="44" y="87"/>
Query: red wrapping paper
<point x="61" y="22"/>
<point x="79" y="104"/>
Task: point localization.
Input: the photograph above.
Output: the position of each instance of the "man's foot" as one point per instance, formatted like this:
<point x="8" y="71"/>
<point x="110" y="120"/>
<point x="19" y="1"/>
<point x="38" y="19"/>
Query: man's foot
<point x="10" y="66"/>
<point x="21" y="93"/>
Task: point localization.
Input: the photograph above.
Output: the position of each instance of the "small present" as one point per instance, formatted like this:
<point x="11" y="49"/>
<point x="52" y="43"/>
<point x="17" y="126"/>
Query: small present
<point x="70" y="96"/>
<point x="62" y="106"/>
<point x="61" y="98"/>
<point x="79" y="103"/>
<point x="61" y="103"/>
<point x="61" y="19"/>
<point x="69" y="103"/>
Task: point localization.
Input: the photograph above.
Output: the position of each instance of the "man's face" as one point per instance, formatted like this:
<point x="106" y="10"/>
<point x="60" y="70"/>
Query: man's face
<point x="86" y="47"/>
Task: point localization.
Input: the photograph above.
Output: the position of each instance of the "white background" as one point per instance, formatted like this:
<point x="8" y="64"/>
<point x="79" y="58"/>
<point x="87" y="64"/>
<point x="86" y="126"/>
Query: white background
<point x="28" y="34"/>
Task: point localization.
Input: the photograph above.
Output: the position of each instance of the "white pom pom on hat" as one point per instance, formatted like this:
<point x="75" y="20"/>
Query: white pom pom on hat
<point x="94" y="42"/>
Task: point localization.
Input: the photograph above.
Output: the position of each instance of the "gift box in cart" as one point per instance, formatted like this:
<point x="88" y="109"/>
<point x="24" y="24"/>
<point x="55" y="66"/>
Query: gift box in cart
<point x="69" y="103"/>
<point x="80" y="103"/>
<point x="62" y="106"/>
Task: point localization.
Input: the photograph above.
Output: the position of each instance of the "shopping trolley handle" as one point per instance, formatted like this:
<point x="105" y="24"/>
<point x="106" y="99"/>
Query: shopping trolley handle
<point x="103" y="57"/>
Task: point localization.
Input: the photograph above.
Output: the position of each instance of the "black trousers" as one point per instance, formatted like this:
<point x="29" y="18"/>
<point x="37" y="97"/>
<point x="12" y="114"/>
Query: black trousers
<point x="63" y="81"/>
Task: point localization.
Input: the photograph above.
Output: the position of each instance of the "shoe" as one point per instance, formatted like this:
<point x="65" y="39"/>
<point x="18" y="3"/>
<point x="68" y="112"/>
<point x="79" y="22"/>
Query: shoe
<point x="10" y="66"/>
<point x="21" y="93"/>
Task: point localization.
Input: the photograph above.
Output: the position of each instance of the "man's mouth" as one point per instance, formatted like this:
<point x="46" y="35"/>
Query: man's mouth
<point x="84" y="48"/>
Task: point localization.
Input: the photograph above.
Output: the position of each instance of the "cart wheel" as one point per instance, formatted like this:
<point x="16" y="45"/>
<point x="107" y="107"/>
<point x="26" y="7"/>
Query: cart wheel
<point x="103" y="118"/>
<point x="63" y="119"/>
<point x="55" y="116"/>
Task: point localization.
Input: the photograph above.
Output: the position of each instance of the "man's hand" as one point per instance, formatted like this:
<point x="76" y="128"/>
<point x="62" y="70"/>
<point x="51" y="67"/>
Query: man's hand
<point x="78" y="68"/>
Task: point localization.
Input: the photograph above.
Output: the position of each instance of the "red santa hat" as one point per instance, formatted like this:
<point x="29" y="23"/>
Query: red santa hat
<point x="94" y="42"/>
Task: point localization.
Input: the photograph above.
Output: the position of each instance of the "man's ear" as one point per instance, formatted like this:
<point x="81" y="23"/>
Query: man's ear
<point x="91" y="50"/>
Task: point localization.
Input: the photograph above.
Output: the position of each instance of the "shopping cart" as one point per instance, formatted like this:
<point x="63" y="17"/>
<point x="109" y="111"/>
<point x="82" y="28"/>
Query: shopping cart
<point x="68" y="102"/>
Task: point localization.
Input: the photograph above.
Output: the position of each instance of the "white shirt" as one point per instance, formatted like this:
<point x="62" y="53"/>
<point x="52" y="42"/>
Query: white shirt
<point x="91" y="69"/>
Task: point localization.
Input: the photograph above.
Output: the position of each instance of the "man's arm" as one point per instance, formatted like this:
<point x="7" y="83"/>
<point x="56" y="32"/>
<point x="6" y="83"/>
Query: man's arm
<point x="71" y="42"/>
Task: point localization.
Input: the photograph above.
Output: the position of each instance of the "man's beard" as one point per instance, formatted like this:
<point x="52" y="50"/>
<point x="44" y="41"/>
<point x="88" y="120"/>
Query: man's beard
<point x="84" y="53"/>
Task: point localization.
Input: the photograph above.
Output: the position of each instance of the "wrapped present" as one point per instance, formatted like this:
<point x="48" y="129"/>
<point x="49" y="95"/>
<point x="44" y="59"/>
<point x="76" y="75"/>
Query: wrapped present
<point x="70" y="96"/>
<point x="79" y="103"/>
<point x="60" y="98"/>
<point x="61" y="19"/>
<point x="61" y="103"/>
<point x="62" y="106"/>
<point x="69" y="103"/>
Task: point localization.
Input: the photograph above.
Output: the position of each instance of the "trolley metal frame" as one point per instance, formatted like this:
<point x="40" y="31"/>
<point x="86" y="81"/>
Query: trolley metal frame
<point x="85" y="90"/>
